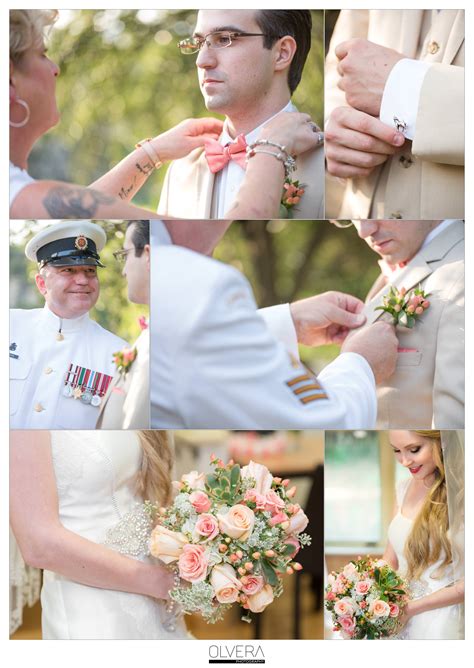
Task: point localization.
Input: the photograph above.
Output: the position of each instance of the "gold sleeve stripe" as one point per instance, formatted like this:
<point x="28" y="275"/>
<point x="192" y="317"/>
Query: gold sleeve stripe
<point x="299" y="379"/>
<point x="305" y="388"/>
<point x="313" y="397"/>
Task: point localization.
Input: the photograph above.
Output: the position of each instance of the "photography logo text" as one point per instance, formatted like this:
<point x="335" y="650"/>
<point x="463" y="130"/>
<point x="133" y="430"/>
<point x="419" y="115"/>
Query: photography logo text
<point x="236" y="654"/>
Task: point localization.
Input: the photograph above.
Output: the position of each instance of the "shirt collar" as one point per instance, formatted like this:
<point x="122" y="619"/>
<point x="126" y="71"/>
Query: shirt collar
<point x="53" y="321"/>
<point x="225" y="138"/>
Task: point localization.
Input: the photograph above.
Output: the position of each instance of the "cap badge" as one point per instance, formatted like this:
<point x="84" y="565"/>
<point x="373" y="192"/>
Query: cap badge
<point x="81" y="242"/>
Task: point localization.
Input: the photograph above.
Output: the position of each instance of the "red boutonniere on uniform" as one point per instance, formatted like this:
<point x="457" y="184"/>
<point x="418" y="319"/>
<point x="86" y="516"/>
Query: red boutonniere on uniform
<point x="124" y="359"/>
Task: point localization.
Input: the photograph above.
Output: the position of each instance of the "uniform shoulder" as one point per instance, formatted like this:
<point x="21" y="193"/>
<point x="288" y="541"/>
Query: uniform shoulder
<point x="176" y="267"/>
<point x="18" y="315"/>
<point x="107" y="335"/>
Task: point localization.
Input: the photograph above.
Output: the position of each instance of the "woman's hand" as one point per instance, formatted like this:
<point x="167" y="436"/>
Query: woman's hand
<point x="162" y="582"/>
<point x="185" y="137"/>
<point x="295" y="131"/>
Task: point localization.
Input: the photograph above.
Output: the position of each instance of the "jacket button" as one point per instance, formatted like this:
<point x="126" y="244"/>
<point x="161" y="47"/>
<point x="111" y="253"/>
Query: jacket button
<point x="405" y="162"/>
<point x="39" y="408"/>
<point x="433" y="47"/>
<point x="396" y="215"/>
<point x="48" y="370"/>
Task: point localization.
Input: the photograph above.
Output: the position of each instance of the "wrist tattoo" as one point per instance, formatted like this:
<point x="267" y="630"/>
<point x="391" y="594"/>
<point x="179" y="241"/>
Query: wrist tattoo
<point x="125" y="192"/>
<point x="74" y="202"/>
<point x="145" y="169"/>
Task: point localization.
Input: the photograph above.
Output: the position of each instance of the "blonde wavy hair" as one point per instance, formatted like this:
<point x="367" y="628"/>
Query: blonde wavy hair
<point x="154" y="477"/>
<point x="27" y="29"/>
<point x="429" y="538"/>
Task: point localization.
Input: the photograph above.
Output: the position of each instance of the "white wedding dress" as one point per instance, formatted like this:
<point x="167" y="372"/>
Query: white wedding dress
<point x="439" y="624"/>
<point x="95" y="474"/>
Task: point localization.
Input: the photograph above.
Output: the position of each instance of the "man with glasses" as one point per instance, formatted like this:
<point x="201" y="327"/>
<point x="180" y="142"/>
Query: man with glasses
<point x="249" y="64"/>
<point x="61" y="361"/>
<point x="127" y="402"/>
<point x="427" y="389"/>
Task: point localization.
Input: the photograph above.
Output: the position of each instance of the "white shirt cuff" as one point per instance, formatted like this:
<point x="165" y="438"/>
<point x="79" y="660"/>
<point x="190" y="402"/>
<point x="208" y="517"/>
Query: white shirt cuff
<point x="401" y="95"/>
<point x="280" y="323"/>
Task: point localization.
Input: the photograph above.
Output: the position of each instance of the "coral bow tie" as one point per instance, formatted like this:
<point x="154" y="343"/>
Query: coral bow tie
<point x="218" y="156"/>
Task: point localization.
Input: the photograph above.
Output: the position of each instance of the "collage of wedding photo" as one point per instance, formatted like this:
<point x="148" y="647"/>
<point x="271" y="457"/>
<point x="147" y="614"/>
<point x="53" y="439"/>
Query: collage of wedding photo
<point x="237" y="327"/>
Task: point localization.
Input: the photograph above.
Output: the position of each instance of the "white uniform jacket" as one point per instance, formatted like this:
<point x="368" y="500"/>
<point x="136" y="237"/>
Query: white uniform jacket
<point x="216" y="364"/>
<point x="42" y="367"/>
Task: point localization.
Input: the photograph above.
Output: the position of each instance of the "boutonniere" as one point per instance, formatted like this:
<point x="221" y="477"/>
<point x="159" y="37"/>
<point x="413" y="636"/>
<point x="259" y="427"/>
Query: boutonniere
<point x="292" y="193"/>
<point x="143" y="322"/>
<point x="404" y="306"/>
<point x="124" y="359"/>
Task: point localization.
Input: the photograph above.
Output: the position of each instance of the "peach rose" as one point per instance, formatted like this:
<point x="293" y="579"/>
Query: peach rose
<point x="258" y="499"/>
<point x="166" y="545"/>
<point x="274" y="503"/>
<point x="225" y="583"/>
<point x="394" y="610"/>
<point x="344" y="607"/>
<point x="259" y="601"/>
<point x="379" y="608"/>
<point x="200" y="501"/>
<point x="253" y="584"/>
<point x="297" y="523"/>
<point x="237" y="522"/>
<point x="193" y="563"/>
<point x="194" y="480"/>
<point x="262" y="476"/>
<point x="363" y="586"/>
<point x="207" y="526"/>
<point x="347" y="624"/>
<point x="349" y="570"/>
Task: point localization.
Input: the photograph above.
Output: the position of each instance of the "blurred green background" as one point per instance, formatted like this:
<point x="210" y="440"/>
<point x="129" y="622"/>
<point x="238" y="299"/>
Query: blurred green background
<point x="122" y="79"/>
<point x="286" y="260"/>
<point x="113" y="310"/>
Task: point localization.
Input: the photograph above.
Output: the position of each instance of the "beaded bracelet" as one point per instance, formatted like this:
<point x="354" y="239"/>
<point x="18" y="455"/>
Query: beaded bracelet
<point x="146" y="145"/>
<point x="289" y="163"/>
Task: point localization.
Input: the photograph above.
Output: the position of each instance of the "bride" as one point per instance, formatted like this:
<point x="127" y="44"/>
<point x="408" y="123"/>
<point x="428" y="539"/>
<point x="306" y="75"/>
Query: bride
<point x="73" y="499"/>
<point x="426" y="533"/>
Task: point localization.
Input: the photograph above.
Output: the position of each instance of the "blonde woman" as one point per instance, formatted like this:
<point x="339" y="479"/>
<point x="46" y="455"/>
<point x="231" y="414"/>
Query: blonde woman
<point x="426" y="534"/>
<point x="73" y="502"/>
<point x="33" y="112"/>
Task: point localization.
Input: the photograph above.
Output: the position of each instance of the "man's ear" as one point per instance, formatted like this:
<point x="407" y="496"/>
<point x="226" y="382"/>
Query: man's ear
<point x="40" y="284"/>
<point x="285" y="51"/>
<point x="146" y="250"/>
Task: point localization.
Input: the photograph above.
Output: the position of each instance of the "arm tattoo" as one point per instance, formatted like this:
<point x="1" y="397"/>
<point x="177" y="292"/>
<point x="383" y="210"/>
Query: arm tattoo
<point x="74" y="202"/>
<point x="125" y="192"/>
<point x="147" y="168"/>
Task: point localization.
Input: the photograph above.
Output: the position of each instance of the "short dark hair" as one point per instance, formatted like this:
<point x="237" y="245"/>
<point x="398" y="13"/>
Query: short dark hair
<point x="297" y="23"/>
<point x="140" y="235"/>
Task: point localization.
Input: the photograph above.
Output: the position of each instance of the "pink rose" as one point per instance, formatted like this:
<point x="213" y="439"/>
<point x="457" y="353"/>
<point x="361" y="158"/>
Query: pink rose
<point x="166" y="545"/>
<point x="291" y="540"/>
<point x="344" y="607"/>
<point x="330" y="596"/>
<point x="419" y="310"/>
<point x="238" y="522"/>
<point x="193" y="563"/>
<point x="379" y="608"/>
<point x="200" y="501"/>
<point x="262" y="476"/>
<point x="207" y="526"/>
<point x="258" y="499"/>
<point x="128" y="354"/>
<point x="347" y="624"/>
<point x="274" y="502"/>
<point x="297" y="523"/>
<point x="259" y="601"/>
<point x="194" y="480"/>
<point x="279" y="518"/>
<point x="225" y="583"/>
<point x="394" y="610"/>
<point x="363" y="586"/>
<point x="349" y="570"/>
<point x="253" y="584"/>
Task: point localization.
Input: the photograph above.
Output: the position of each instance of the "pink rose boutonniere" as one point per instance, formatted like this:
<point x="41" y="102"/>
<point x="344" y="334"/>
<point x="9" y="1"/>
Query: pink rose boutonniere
<point x="124" y="359"/>
<point x="143" y="322"/>
<point x="292" y="193"/>
<point x="404" y="306"/>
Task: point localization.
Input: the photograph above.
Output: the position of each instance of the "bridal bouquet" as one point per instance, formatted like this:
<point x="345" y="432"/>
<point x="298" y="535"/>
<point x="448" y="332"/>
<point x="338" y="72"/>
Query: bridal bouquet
<point x="366" y="599"/>
<point x="230" y="536"/>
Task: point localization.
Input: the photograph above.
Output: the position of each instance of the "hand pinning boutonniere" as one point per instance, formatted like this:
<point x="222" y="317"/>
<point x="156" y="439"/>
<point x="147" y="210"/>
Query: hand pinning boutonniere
<point x="292" y="193"/>
<point x="124" y="359"/>
<point x="404" y="306"/>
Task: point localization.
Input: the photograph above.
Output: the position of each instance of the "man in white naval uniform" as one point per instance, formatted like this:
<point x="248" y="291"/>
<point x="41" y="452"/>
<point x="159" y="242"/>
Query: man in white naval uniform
<point x="61" y="361"/>
<point x="216" y="362"/>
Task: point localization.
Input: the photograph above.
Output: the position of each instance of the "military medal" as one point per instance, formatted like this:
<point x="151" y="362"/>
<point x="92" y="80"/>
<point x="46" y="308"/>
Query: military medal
<point x="84" y="384"/>
<point x="67" y="392"/>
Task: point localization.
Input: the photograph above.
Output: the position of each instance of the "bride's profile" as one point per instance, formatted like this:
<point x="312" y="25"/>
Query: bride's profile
<point x="426" y="534"/>
<point x="74" y="514"/>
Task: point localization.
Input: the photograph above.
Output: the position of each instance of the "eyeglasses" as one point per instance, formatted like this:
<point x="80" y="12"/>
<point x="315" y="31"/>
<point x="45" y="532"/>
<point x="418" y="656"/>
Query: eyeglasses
<point x="214" y="40"/>
<point x="121" y="255"/>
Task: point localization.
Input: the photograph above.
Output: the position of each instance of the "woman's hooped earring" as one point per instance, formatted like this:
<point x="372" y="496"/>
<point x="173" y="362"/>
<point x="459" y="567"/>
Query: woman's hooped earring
<point x="22" y="123"/>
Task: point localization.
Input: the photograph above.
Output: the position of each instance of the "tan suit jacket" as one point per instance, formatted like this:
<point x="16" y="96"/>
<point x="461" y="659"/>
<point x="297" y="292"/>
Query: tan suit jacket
<point x="188" y="187"/>
<point x="427" y="388"/>
<point x="425" y="178"/>
<point x="127" y="402"/>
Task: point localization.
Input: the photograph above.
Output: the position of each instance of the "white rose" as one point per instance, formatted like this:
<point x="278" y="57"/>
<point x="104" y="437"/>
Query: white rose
<point x="259" y="601"/>
<point x="238" y="522"/>
<point x="194" y="480"/>
<point x="166" y="545"/>
<point x="298" y="523"/>
<point x="225" y="583"/>
<point x="262" y="476"/>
